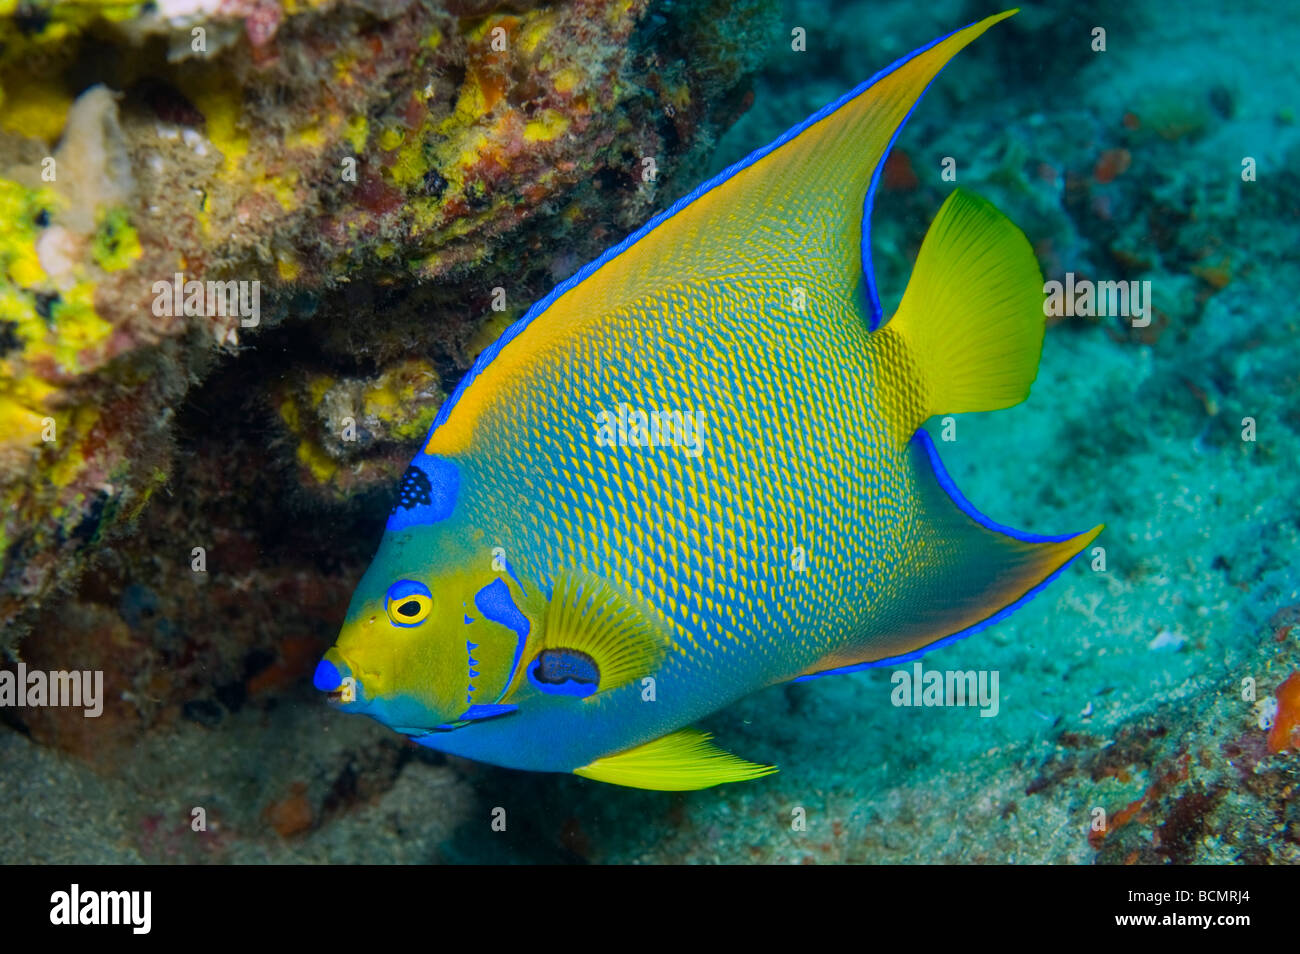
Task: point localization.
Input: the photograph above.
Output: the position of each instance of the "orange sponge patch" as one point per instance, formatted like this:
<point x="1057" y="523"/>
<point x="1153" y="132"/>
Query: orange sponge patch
<point x="1284" y="734"/>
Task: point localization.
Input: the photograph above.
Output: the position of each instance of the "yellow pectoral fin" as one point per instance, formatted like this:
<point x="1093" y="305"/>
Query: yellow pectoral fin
<point x="681" y="761"/>
<point x="594" y="633"/>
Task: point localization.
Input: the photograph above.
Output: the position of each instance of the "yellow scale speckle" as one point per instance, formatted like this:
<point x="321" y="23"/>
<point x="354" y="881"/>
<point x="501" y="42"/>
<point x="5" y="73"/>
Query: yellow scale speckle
<point x="707" y="542"/>
<point x="806" y="417"/>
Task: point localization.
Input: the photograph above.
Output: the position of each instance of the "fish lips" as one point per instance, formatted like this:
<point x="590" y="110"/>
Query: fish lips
<point x="334" y="677"/>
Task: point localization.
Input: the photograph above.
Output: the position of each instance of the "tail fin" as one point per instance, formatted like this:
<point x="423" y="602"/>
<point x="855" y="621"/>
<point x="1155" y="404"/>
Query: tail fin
<point x="971" y="319"/>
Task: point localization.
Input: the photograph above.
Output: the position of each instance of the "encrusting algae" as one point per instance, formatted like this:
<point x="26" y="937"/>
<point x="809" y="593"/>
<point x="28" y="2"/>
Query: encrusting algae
<point x="419" y="157"/>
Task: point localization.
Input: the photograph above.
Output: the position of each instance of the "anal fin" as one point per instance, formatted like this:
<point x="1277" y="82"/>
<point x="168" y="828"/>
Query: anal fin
<point x="962" y="572"/>
<point x="681" y="761"/>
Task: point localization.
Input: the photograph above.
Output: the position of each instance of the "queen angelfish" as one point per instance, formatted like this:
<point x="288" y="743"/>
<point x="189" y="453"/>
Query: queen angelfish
<point x="696" y="468"/>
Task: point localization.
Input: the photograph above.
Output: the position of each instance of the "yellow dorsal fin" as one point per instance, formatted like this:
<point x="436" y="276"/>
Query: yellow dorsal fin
<point x="791" y="212"/>
<point x="679" y="762"/>
<point x="587" y="616"/>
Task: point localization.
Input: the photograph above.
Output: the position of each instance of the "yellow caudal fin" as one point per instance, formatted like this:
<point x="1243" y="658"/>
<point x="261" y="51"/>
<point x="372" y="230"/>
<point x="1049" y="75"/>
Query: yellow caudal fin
<point x="971" y="319"/>
<point x="679" y="762"/>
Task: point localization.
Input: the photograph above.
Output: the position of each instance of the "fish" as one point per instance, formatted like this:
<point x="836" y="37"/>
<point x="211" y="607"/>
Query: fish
<point x="697" y="468"/>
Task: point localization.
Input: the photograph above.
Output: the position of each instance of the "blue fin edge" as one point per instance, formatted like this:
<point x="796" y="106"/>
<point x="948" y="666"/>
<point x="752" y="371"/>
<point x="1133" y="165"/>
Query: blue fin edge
<point x="924" y="440"/>
<point x="946" y="640"/>
<point x="875" y="311"/>
<point x="582" y="274"/>
<point x="476" y="713"/>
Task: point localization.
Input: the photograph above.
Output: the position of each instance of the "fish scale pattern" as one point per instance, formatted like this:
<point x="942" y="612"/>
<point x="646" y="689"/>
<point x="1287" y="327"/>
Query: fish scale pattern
<point x="764" y="552"/>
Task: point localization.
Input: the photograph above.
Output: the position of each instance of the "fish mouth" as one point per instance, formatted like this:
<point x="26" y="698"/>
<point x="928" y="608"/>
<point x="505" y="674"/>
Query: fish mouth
<point x="335" y="680"/>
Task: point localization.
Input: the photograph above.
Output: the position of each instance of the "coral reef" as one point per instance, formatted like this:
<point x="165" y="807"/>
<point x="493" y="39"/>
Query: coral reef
<point x="180" y="183"/>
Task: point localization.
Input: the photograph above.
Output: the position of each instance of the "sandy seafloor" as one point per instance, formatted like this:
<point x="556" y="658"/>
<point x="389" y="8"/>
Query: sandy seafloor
<point x="1119" y="689"/>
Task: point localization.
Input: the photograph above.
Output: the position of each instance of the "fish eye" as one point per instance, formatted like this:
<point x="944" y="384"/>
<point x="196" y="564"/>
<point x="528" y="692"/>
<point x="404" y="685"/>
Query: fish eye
<point x="409" y="602"/>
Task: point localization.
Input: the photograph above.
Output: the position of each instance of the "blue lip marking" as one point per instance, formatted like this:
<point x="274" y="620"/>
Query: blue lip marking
<point x="327" y="677"/>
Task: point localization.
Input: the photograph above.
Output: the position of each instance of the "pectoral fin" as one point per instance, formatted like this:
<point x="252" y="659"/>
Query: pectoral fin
<point x="594" y="639"/>
<point x="679" y="762"/>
